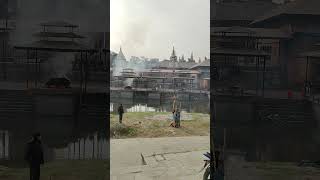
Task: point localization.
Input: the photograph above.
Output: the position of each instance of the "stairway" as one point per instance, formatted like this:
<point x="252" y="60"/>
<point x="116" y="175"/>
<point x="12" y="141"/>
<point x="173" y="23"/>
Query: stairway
<point x="285" y="113"/>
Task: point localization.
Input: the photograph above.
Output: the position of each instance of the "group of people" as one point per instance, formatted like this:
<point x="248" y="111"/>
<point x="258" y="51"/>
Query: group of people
<point x="175" y="118"/>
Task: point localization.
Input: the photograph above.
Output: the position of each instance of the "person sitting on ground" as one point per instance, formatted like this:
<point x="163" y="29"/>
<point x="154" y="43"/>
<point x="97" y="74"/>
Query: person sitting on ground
<point x="172" y="124"/>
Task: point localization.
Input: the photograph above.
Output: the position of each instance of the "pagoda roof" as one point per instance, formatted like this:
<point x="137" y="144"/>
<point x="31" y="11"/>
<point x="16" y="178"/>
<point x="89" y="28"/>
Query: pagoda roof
<point x="120" y="55"/>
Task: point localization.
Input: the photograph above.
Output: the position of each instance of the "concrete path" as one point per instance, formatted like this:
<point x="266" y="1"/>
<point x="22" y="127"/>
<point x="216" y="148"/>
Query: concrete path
<point x="158" y="158"/>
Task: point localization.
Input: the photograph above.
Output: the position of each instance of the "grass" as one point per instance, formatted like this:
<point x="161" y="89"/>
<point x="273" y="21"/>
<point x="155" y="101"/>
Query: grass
<point x="62" y="170"/>
<point x="156" y="124"/>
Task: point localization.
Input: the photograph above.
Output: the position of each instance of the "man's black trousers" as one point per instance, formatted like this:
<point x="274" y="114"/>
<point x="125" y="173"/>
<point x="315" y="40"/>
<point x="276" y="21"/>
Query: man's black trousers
<point x="34" y="172"/>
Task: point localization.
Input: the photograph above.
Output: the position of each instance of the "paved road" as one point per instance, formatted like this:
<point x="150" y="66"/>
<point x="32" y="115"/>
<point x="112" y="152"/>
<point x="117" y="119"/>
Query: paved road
<point x="158" y="158"/>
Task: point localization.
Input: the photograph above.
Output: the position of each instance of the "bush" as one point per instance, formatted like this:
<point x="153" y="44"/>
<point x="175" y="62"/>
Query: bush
<point x="119" y="130"/>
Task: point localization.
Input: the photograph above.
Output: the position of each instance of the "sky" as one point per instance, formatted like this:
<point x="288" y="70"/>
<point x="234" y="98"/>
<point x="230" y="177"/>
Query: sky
<point x="151" y="28"/>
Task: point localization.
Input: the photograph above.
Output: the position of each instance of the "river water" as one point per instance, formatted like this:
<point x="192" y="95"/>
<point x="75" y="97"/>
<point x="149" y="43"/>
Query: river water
<point x="155" y="106"/>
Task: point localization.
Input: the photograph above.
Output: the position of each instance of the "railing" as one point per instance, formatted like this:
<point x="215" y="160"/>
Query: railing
<point x="315" y="100"/>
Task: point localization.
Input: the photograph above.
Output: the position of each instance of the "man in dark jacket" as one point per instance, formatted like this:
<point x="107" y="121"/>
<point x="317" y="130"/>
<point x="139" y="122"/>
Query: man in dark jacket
<point x="177" y="120"/>
<point x="34" y="156"/>
<point x="120" y="111"/>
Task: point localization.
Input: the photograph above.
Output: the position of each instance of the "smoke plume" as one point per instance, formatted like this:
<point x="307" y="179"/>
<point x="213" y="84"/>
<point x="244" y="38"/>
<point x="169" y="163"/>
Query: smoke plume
<point x="89" y="15"/>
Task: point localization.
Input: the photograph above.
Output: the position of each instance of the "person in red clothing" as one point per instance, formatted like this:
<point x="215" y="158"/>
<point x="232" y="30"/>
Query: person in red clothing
<point x="290" y="94"/>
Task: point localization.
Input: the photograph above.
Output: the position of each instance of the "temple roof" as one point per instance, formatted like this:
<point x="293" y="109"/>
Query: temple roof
<point x="120" y="55"/>
<point x="173" y="52"/>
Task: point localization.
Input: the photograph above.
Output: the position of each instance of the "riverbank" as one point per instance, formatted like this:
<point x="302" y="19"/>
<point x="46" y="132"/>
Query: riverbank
<point x="157" y="124"/>
<point x="62" y="170"/>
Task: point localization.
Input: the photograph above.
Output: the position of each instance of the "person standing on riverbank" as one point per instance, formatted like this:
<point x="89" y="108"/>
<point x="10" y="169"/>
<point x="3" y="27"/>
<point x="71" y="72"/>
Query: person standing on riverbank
<point x="177" y="120"/>
<point x="34" y="156"/>
<point x="120" y="111"/>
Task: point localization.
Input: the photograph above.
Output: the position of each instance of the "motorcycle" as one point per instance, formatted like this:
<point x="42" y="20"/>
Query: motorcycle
<point x="207" y="167"/>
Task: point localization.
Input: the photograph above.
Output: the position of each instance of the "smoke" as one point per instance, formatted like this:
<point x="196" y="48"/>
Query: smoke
<point x="130" y="33"/>
<point x="138" y="65"/>
<point x="89" y="15"/>
<point x="118" y="67"/>
<point x="136" y="36"/>
<point x="61" y="64"/>
<point x="128" y="82"/>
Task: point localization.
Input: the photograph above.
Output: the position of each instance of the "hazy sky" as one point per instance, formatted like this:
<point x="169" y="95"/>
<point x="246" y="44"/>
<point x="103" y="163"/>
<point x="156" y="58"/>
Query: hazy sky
<point x="151" y="27"/>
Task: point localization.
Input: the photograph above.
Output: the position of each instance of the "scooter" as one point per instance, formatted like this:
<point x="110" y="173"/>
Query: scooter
<point x="207" y="167"/>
